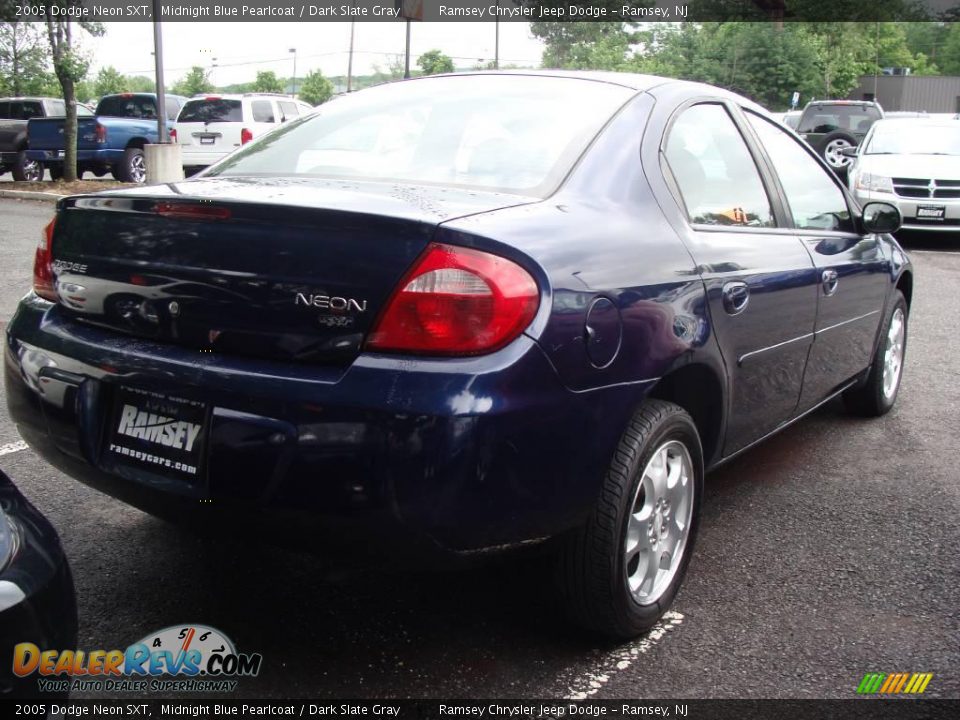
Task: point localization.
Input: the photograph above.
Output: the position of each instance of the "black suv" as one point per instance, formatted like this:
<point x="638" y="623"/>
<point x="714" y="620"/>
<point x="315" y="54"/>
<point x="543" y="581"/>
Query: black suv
<point x="832" y="125"/>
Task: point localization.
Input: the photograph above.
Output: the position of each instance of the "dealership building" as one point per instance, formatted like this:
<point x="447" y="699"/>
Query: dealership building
<point x="930" y="93"/>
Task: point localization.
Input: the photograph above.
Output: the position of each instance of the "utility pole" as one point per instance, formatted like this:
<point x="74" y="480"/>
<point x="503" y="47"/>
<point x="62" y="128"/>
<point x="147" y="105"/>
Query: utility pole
<point x="162" y="136"/>
<point x="406" y="61"/>
<point x="350" y="60"/>
<point x="294" y="51"/>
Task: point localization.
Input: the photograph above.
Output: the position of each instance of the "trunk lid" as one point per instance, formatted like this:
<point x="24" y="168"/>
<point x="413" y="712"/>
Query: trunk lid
<point x="277" y="268"/>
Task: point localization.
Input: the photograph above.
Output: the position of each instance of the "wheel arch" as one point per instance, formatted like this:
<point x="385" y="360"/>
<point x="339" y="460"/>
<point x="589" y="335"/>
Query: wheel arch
<point x="905" y="285"/>
<point x="137" y="142"/>
<point x="699" y="389"/>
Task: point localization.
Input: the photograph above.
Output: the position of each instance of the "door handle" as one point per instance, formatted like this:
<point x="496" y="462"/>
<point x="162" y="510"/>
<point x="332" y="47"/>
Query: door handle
<point x="736" y="295"/>
<point x="830" y="282"/>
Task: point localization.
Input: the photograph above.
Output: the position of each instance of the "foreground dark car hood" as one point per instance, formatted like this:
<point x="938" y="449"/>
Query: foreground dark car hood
<point x="39" y="604"/>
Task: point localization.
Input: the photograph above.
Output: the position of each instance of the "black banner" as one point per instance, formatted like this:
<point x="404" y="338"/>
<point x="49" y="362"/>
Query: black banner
<point x="872" y="709"/>
<point x="480" y="10"/>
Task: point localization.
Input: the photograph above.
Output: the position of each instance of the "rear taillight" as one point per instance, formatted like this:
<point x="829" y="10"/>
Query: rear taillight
<point x="44" y="283"/>
<point x="245" y="136"/>
<point x="101" y="133"/>
<point x="457" y="301"/>
<point x="173" y="135"/>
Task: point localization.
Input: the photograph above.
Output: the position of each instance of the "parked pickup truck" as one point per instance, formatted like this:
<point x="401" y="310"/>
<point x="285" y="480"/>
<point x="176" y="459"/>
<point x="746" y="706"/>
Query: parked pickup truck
<point x="111" y="141"/>
<point x="15" y="112"/>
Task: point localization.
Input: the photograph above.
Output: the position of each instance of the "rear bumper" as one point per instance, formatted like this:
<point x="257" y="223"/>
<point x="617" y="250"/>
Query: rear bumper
<point x="101" y="156"/>
<point x="200" y="158"/>
<point x="389" y="453"/>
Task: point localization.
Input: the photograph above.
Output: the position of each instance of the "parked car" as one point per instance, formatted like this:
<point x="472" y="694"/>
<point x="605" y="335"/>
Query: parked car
<point x="37" y="599"/>
<point x="915" y="165"/>
<point x="212" y="126"/>
<point x="14" y="114"/>
<point x="463" y="329"/>
<point x="112" y="141"/>
<point x="791" y="118"/>
<point x="830" y="126"/>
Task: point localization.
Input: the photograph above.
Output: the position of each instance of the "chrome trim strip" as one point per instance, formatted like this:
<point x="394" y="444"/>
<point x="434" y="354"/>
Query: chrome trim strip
<point x="772" y="347"/>
<point x="846" y="322"/>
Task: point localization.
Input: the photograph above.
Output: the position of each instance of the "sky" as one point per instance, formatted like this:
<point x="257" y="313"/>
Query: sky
<point x="240" y="49"/>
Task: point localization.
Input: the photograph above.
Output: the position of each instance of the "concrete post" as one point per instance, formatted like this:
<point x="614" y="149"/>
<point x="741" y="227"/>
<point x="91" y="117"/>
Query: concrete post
<point x="164" y="163"/>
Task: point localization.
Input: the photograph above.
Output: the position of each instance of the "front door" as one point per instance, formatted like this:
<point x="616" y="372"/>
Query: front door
<point x="760" y="280"/>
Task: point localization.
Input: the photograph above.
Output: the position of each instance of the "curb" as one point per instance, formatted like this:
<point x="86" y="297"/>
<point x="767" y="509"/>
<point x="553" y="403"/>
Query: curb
<point x="30" y="195"/>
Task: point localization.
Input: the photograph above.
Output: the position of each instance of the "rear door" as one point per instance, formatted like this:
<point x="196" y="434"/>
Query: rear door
<point x="210" y="124"/>
<point x="759" y="278"/>
<point x="853" y="273"/>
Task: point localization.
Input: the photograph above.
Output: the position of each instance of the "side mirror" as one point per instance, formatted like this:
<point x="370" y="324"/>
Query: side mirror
<point x="881" y="217"/>
<point x="850" y="152"/>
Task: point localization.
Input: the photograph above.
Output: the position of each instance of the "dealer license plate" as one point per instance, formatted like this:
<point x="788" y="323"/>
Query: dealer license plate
<point x="157" y="432"/>
<point x="931" y="212"/>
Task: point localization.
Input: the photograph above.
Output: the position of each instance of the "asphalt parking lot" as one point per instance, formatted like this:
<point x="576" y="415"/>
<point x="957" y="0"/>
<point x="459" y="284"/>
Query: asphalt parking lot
<point x="828" y="552"/>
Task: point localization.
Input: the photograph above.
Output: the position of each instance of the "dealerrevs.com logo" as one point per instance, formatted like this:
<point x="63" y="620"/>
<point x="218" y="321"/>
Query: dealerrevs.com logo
<point x="180" y="658"/>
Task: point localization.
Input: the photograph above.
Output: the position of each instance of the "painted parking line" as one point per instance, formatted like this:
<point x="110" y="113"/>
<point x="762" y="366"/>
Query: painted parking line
<point x="606" y="665"/>
<point x="12" y="447"/>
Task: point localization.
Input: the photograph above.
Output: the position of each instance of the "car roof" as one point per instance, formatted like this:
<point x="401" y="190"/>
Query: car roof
<point x="31" y="98"/>
<point x="914" y="122"/>
<point x="633" y="81"/>
<point x="242" y="96"/>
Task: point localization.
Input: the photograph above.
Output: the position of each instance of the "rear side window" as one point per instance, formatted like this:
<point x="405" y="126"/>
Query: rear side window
<point x="207" y="110"/>
<point x="288" y="110"/>
<point x="715" y="173"/>
<point x="262" y="111"/>
<point x="815" y="200"/>
<point x="128" y="106"/>
<point x="831" y="118"/>
<point x="31" y="109"/>
<point x="4" y="111"/>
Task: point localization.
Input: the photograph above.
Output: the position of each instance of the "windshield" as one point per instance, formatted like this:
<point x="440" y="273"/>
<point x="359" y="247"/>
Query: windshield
<point x="820" y="119"/>
<point x="210" y="110"/>
<point x="509" y="133"/>
<point x="915" y="139"/>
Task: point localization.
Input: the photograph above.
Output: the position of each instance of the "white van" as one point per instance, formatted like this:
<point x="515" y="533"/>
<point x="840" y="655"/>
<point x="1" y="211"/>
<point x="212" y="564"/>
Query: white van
<point x="211" y="126"/>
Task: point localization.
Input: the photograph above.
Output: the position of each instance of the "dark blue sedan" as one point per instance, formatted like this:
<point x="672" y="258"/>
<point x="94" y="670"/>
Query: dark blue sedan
<point x="465" y="313"/>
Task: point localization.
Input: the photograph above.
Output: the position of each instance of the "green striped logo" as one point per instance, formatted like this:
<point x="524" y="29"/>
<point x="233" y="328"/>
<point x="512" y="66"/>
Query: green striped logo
<point x="894" y="683"/>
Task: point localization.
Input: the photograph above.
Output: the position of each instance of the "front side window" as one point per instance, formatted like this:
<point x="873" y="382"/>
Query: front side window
<point x="262" y="111"/>
<point x="814" y="198"/>
<point x="715" y="173"/>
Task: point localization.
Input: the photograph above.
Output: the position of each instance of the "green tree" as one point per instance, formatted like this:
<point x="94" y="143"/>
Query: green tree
<point x="268" y="82"/>
<point x="316" y="89"/>
<point x="70" y="66"/>
<point x="140" y="83"/>
<point x="949" y="57"/>
<point x="584" y="45"/>
<point x="433" y="62"/>
<point x="24" y="68"/>
<point x="109" y="81"/>
<point x="195" y="82"/>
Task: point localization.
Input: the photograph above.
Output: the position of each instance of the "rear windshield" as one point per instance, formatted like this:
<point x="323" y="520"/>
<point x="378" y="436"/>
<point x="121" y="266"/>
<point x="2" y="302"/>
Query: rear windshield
<point x="128" y="106"/>
<point x="830" y="118"/>
<point x="514" y="133"/>
<point x="207" y="110"/>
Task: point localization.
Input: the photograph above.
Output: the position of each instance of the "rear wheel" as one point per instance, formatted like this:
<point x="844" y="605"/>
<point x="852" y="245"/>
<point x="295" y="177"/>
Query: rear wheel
<point x="621" y="571"/>
<point x="26" y="169"/>
<point x="879" y="393"/>
<point x="133" y="167"/>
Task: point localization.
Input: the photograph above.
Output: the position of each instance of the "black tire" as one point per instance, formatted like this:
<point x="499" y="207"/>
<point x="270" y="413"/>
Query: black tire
<point x="591" y="567"/>
<point x="26" y="170"/>
<point x="56" y="171"/>
<point x="132" y="168"/>
<point x="870" y="399"/>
